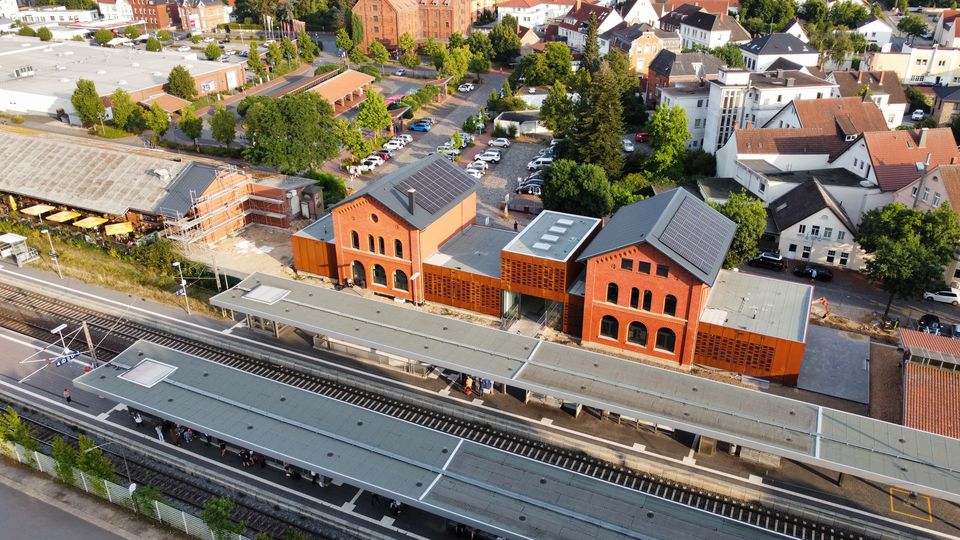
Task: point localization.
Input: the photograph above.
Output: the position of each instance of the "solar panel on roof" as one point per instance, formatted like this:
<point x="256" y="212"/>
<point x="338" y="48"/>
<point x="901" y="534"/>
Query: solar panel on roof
<point x="689" y="234"/>
<point x="436" y="185"/>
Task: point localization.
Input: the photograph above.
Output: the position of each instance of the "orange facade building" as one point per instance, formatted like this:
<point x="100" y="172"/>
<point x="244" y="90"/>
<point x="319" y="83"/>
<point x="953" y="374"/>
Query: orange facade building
<point x="386" y="20"/>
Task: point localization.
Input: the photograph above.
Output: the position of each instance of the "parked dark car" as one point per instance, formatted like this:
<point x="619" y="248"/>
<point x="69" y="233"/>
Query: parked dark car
<point x="929" y="324"/>
<point x="813" y="271"/>
<point x="771" y="261"/>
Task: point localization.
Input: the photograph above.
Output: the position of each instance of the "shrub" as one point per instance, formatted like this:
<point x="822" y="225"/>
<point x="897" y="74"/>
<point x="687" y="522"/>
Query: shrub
<point x="334" y="188"/>
<point x="372" y="71"/>
<point x="195" y="39"/>
<point x="27" y="31"/>
<point x="44" y="34"/>
<point x="327" y="68"/>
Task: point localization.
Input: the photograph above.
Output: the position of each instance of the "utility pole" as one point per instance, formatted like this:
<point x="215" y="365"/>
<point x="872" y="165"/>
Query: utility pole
<point x="92" y="350"/>
<point x="183" y="287"/>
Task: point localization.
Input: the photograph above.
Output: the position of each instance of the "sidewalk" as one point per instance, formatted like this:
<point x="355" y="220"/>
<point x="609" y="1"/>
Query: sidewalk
<point x="93" y="511"/>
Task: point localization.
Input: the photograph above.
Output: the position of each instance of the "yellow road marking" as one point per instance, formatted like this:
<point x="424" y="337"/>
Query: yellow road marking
<point x="906" y="494"/>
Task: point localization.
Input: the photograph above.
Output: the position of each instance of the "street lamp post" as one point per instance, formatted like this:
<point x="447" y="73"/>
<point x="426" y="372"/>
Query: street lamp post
<point x="53" y="253"/>
<point x="183" y="287"/>
<point x="59" y="331"/>
<point x="123" y="455"/>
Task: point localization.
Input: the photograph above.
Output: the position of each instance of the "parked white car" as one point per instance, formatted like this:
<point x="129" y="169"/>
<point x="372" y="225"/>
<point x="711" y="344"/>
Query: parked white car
<point x="500" y="142"/>
<point x="917" y="115"/>
<point x="947" y="296"/>
<point x="392" y="145"/>
<point x="474" y="173"/>
<point x="628" y="145"/>
<point x="478" y="164"/>
<point x="539" y="163"/>
<point x="488" y="156"/>
<point x="407" y="139"/>
<point x="466" y="87"/>
<point x="400" y="72"/>
<point x="448" y="148"/>
<point x="377" y="160"/>
<point x="183" y="48"/>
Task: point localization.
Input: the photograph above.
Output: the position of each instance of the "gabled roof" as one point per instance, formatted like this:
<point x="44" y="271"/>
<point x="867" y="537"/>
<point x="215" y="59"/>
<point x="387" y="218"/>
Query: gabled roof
<point x="582" y="15"/>
<point x="849" y="84"/>
<point x="788" y="78"/>
<point x="533" y="3"/>
<point x="931" y="395"/>
<point x="895" y="154"/>
<point x="950" y="176"/>
<point x="803" y="201"/>
<point x="784" y="141"/>
<point x="685" y="64"/>
<point x="673" y="223"/>
<point x="778" y="44"/>
<point x="949" y="94"/>
<point x="845" y="116"/>
<point x="783" y="63"/>
<point x="623" y="35"/>
<point x="676" y="16"/>
<point x="440" y="186"/>
<point x="717" y="22"/>
<point x="711" y="6"/>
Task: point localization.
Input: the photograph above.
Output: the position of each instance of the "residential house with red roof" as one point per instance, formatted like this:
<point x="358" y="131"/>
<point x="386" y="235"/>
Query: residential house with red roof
<point x="662" y="7"/>
<point x="534" y="13"/>
<point x="882" y="87"/>
<point x="573" y="27"/>
<point x="939" y="186"/>
<point x="931" y="382"/>
<point x="947" y="32"/>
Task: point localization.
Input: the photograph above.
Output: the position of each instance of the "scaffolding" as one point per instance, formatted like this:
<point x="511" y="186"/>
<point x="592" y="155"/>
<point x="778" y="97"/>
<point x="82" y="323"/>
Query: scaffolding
<point x="232" y="206"/>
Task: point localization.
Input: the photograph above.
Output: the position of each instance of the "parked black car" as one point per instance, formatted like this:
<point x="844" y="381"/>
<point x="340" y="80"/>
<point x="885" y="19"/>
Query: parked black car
<point x="813" y="271"/>
<point x="771" y="261"/>
<point x="929" y="324"/>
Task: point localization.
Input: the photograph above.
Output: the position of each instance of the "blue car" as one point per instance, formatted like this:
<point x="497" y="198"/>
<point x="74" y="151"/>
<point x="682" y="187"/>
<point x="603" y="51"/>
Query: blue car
<point x="420" y="127"/>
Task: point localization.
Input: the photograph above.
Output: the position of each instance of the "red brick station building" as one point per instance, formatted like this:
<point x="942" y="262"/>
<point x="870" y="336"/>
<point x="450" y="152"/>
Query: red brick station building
<point x="647" y="283"/>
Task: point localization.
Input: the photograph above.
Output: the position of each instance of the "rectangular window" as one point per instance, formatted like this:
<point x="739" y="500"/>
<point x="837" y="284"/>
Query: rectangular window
<point x="626" y="264"/>
<point x="831" y="255"/>
<point x="926" y="194"/>
<point x="376" y="29"/>
<point x="844" y="258"/>
<point x="815" y="230"/>
<point x="916" y="78"/>
<point x="806" y="252"/>
<point x="699" y="103"/>
<point x="936" y="199"/>
<point x="827" y="232"/>
<point x="663" y="270"/>
<point x="792" y="248"/>
<point x="376" y="18"/>
<point x="841" y="235"/>
<point x="913" y="192"/>
<point x="802" y="229"/>
<point x="643" y="267"/>
<point x="763" y="188"/>
<point x="942" y="63"/>
<point x="697" y="123"/>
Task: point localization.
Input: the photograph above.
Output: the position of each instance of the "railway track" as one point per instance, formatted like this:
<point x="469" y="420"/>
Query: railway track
<point x="35" y="315"/>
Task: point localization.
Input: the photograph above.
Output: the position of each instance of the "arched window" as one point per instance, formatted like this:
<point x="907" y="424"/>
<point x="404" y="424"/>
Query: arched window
<point x="371" y="244"/>
<point x="647" y="300"/>
<point x="612" y="292"/>
<point x="379" y="275"/>
<point x="609" y="327"/>
<point x="634" y="298"/>
<point x="666" y="339"/>
<point x="670" y="305"/>
<point x="398" y="249"/>
<point x="355" y="239"/>
<point x="400" y="281"/>
<point x="382" y="250"/>
<point x="637" y="334"/>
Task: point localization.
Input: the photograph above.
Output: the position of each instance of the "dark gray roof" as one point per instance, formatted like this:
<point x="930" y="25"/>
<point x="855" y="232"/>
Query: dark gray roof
<point x="191" y="182"/>
<point x="783" y="63"/>
<point x="677" y="224"/>
<point x="622" y="36"/>
<point x="716" y="22"/>
<point x="947" y="93"/>
<point x="440" y="186"/>
<point x="779" y="44"/>
<point x="802" y="201"/>
<point x="519" y="116"/>
<point x="677" y="16"/>
<point x="672" y="64"/>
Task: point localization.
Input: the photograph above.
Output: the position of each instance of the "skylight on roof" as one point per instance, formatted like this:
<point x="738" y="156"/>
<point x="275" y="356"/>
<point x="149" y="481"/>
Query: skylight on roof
<point x="266" y="294"/>
<point x="565" y="221"/>
<point x="148" y="373"/>
<point x="558" y="230"/>
<point x="542" y="246"/>
<point x="549" y="237"/>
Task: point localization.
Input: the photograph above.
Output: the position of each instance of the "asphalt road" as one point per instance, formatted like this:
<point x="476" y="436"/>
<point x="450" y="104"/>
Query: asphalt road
<point x="26" y="518"/>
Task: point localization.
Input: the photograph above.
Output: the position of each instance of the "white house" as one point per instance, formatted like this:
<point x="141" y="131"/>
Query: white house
<point x="795" y="29"/>
<point x="917" y="65"/>
<point x="639" y="12"/>
<point x="56" y="14"/>
<point x="524" y="122"/>
<point x="573" y="27"/>
<point x="711" y="30"/>
<point x="877" y="32"/>
<point x="8" y="9"/>
<point x="738" y="97"/>
<point x="760" y="53"/>
<point x="947" y="31"/>
<point x="813" y="226"/>
<point x="534" y="13"/>
<point x="115" y="10"/>
<point x="693" y="99"/>
<point x="940" y="185"/>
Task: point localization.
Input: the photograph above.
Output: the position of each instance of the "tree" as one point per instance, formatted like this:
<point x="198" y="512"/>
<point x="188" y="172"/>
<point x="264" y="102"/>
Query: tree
<point x="410" y="60"/>
<point x="457" y="63"/>
<point x="122" y="107"/>
<point x="577" y="188"/>
<point x="293" y="133"/>
<point x="910" y="247"/>
<point x="629" y="189"/>
<point x="253" y="61"/>
<point x="163" y="35"/>
<point x="433" y="48"/>
<point x="405" y="43"/>
<point x="181" y="84"/>
<point x="814" y="11"/>
<point x="479" y="64"/>
<point x="730" y="54"/>
<point x="352" y="139"/>
<point x="912" y="25"/>
<point x="760" y="16"/>
<point x="591" y="47"/>
<point x="131" y="32"/>
<point x="190" y="124"/>
<point x="212" y="51"/>
<point x="356" y="29"/>
<point x="903" y="7"/>
<point x="102" y="36"/>
<point x="751" y="218"/>
<point x="87" y="103"/>
<point x="154" y="45"/>
<point x="44" y="34"/>
<point x="14" y="429"/>
<point x="66" y="457"/>
<point x="479" y="43"/>
<point x="289" y="50"/>
<point x="596" y="137"/>
<point x="849" y="14"/>
<point x="504" y="38"/>
<point x="217" y="515"/>
<point x="559" y="61"/>
<point x="91" y="460"/>
<point x="457" y="140"/>
<point x="838" y="46"/>
<point x="343" y="41"/>
<point x="534" y="70"/>
<point x="558" y="111"/>
<point x="373" y="114"/>
<point x="274" y="55"/>
<point x="223" y="125"/>
<point x="378" y="53"/>
<point x="668" y="137"/>
<point x="157" y="120"/>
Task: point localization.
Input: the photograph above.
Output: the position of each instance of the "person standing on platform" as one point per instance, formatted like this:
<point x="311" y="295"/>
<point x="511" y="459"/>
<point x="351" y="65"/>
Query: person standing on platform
<point x="159" y="431"/>
<point x="137" y="419"/>
<point x="468" y="386"/>
<point x="66" y="395"/>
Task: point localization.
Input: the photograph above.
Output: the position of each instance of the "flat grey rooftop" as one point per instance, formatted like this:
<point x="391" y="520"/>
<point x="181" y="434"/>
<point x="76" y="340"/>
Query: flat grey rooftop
<point x="553" y="235"/>
<point x="320" y="230"/>
<point x="59" y="65"/>
<point x="502" y="493"/>
<point x="827" y="177"/>
<point x="762" y="305"/>
<point x="835" y="363"/>
<point x="793" y="429"/>
<point x="475" y="250"/>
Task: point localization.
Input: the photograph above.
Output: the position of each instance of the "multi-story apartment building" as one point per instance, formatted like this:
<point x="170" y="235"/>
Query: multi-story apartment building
<point x="386" y="20"/>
